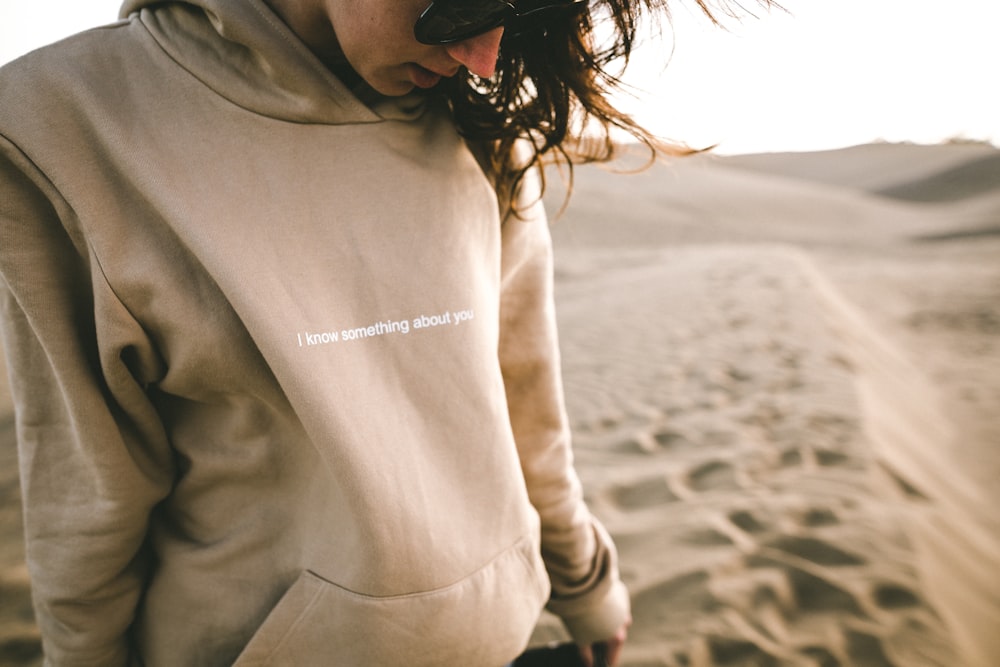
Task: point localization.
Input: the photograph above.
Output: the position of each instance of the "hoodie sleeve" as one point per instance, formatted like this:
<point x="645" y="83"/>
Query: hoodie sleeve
<point x="580" y="557"/>
<point x="93" y="456"/>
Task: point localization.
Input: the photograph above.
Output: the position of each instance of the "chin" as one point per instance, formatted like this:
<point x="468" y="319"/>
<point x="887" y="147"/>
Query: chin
<point x="393" y="89"/>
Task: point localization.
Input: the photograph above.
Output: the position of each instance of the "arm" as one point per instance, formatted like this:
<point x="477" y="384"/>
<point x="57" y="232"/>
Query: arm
<point x="579" y="555"/>
<point x="93" y="456"/>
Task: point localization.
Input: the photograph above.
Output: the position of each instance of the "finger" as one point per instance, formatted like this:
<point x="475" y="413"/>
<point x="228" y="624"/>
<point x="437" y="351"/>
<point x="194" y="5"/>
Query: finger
<point x="586" y="655"/>
<point x="612" y="648"/>
<point x="612" y="651"/>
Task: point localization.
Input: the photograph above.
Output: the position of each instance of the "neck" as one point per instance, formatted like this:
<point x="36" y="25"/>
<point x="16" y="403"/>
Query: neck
<point x="310" y="22"/>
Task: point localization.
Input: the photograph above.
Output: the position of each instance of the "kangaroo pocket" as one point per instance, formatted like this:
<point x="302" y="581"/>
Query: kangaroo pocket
<point x="485" y="619"/>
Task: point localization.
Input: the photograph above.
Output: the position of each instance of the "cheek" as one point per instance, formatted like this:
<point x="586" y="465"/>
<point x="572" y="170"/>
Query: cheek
<point x="392" y="28"/>
<point x="385" y="40"/>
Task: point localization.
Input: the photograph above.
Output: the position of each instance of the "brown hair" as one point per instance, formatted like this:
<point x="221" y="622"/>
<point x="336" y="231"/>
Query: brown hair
<point x="550" y="84"/>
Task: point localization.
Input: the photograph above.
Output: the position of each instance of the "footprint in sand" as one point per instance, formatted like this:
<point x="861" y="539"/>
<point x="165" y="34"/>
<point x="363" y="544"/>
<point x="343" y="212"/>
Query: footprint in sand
<point x="731" y="651"/>
<point x="907" y="489"/>
<point x="655" y="442"/>
<point x="644" y="493"/>
<point x="706" y="537"/>
<point x="791" y="458"/>
<point x="748" y="523"/>
<point x="816" y="594"/>
<point x="713" y="476"/>
<point x="815" y="517"/>
<point x="20" y="643"/>
<point x="829" y="458"/>
<point x="866" y="650"/>
<point x="20" y="651"/>
<point x="814" y="550"/>
<point x="668" y="439"/>
<point x="662" y="608"/>
<point x="820" y="656"/>
<point x="894" y="596"/>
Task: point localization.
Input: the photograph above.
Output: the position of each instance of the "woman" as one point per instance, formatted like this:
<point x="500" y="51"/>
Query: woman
<point x="277" y="305"/>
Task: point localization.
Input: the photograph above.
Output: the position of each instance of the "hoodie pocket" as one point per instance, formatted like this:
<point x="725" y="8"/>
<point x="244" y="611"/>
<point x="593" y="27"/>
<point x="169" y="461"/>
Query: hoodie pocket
<point x="484" y="619"/>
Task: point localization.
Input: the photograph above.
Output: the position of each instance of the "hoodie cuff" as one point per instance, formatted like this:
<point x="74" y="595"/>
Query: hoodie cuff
<point x="594" y="609"/>
<point x="601" y="621"/>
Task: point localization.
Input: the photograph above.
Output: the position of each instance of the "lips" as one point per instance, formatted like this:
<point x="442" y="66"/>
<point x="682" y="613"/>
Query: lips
<point x="427" y="78"/>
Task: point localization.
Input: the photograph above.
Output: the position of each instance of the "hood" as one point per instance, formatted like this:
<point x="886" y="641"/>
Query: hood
<point x="243" y="51"/>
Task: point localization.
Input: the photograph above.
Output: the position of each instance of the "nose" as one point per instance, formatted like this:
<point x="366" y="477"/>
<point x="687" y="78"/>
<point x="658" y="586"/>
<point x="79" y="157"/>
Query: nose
<point x="479" y="54"/>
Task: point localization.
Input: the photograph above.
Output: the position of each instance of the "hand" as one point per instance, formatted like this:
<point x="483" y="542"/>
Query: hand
<point x="606" y="653"/>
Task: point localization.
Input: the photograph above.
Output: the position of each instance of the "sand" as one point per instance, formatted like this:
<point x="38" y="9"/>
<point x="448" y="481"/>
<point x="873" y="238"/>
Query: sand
<point x="783" y="373"/>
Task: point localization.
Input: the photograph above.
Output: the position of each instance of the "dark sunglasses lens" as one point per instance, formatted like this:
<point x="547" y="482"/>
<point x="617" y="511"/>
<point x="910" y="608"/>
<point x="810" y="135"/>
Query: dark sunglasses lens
<point x="447" y="21"/>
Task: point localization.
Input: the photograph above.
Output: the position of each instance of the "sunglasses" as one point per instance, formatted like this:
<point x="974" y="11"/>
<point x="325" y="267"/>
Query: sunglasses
<point x="449" y="21"/>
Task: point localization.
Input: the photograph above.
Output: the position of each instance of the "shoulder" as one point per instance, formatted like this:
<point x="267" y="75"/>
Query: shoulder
<point x="68" y="54"/>
<point x="52" y="76"/>
<point x="58" y="100"/>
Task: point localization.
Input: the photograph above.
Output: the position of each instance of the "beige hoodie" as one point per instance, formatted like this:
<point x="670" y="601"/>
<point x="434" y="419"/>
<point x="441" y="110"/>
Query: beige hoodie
<point x="287" y="391"/>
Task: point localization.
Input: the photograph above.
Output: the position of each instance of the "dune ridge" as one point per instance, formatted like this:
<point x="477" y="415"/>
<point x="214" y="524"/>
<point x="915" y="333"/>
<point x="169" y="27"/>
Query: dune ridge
<point x="952" y="521"/>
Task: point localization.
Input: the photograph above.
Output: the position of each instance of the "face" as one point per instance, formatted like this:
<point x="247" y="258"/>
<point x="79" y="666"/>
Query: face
<point x="376" y="37"/>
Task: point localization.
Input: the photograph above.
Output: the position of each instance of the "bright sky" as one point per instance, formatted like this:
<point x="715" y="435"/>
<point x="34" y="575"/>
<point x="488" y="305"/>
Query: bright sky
<point x="830" y="73"/>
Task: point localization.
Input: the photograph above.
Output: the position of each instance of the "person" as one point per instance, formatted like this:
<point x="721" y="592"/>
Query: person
<point x="277" y="304"/>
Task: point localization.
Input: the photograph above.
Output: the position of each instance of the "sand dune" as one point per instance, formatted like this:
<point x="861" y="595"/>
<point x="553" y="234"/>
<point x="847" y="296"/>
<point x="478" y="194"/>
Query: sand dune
<point x="721" y="436"/>
<point x="910" y="298"/>
<point x="869" y="167"/>
<point x="782" y="372"/>
<point x="968" y="179"/>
